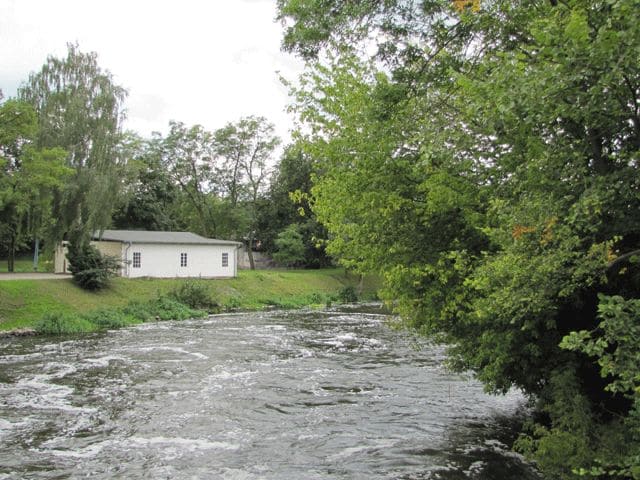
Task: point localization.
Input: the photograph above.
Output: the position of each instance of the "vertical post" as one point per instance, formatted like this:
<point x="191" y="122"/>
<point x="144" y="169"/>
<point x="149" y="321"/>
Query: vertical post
<point x="36" y="253"/>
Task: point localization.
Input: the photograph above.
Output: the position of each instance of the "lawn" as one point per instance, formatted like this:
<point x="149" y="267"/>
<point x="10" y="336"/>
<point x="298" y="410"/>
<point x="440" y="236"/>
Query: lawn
<point x="24" y="264"/>
<point x="24" y="302"/>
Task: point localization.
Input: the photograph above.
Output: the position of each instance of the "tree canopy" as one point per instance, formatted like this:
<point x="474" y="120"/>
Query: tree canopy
<point x="485" y="163"/>
<point x="80" y="109"/>
<point x="29" y="178"/>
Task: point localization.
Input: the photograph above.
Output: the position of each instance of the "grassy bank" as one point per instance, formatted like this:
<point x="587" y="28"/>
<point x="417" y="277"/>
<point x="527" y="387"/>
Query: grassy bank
<point x="23" y="303"/>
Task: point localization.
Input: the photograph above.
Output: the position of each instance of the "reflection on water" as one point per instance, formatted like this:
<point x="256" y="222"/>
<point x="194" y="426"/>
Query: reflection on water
<point x="277" y="395"/>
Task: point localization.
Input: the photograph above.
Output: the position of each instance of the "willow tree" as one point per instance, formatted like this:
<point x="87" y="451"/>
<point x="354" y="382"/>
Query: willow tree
<point x="80" y="109"/>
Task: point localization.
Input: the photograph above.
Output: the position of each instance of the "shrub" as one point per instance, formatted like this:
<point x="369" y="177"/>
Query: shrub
<point x="90" y="269"/>
<point x="195" y="295"/>
<point x="316" y="298"/>
<point x="290" y="246"/>
<point x="232" y="303"/>
<point x="141" y="311"/>
<point x="56" y="323"/>
<point x="166" y="308"/>
<point x="111" y="318"/>
<point x="348" y="295"/>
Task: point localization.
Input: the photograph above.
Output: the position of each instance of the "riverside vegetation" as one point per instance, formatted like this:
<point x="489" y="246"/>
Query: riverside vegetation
<point x="482" y="157"/>
<point x="62" y="307"/>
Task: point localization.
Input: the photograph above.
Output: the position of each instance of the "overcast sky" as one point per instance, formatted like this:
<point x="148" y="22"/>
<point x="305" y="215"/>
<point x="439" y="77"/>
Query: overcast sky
<point x="205" y="62"/>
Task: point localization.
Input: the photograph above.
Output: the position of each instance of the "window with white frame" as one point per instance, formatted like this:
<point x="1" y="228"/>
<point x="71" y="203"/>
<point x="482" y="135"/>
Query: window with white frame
<point x="137" y="257"/>
<point x="225" y="259"/>
<point x="183" y="259"/>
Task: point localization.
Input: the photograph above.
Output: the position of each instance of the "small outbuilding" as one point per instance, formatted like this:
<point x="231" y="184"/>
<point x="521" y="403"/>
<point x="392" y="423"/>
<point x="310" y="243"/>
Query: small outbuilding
<point x="163" y="254"/>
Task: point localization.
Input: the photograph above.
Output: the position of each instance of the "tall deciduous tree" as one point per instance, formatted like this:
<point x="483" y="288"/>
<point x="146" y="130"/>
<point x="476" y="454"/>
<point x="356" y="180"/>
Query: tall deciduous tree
<point x="149" y="200"/>
<point x="287" y="205"/>
<point x="80" y="109"/>
<point x="189" y="157"/>
<point x="29" y="177"/>
<point x="246" y="147"/>
<point x="490" y="174"/>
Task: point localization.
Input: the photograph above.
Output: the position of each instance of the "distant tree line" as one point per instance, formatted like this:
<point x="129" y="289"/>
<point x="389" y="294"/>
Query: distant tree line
<point x="67" y="169"/>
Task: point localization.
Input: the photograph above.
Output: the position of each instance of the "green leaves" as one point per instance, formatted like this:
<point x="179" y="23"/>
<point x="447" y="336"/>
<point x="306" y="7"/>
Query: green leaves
<point x="290" y="246"/>
<point x="80" y="110"/>
<point x="615" y="344"/>
<point x="487" y="169"/>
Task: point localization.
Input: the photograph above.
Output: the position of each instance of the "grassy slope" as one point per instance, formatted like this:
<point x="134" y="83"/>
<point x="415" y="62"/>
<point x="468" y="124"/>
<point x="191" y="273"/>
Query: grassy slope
<point x="23" y="302"/>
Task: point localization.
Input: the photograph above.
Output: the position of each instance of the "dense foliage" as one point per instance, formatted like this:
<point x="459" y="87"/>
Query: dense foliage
<point x="79" y="109"/>
<point x="67" y="170"/>
<point x="91" y="269"/>
<point x="160" y="308"/>
<point x="486" y="164"/>
<point x="29" y="178"/>
<point x="290" y="247"/>
<point x="285" y="209"/>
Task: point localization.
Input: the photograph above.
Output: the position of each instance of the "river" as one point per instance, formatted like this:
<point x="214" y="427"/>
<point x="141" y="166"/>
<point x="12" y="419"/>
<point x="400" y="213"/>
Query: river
<point x="333" y="394"/>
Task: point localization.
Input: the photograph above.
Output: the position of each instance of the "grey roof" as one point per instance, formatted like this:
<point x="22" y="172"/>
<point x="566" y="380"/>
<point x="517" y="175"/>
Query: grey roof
<point x="143" y="236"/>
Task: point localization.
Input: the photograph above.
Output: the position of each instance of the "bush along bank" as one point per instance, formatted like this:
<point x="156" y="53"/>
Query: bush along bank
<point x="189" y="300"/>
<point x="161" y="308"/>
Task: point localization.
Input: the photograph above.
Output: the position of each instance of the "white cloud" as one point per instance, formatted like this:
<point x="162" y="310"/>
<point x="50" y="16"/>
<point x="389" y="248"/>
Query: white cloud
<point x="207" y="62"/>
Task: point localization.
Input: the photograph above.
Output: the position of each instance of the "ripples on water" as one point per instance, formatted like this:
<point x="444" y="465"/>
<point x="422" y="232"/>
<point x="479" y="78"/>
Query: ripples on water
<point x="278" y="395"/>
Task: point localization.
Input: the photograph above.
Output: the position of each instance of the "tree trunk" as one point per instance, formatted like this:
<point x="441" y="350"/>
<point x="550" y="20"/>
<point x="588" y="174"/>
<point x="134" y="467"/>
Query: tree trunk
<point x="252" y="263"/>
<point x="36" y="255"/>
<point x="11" y="261"/>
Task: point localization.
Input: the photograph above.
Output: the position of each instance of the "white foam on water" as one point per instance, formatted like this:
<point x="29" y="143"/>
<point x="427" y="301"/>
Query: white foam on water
<point x="104" y="361"/>
<point x="475" y="468"/>
<point x="20" y="358"/>
<point x="229" y="375"/>
<point x="237" y="474"/>
<point x="59" y="370"/>
<point x="7" y="428"/>
<point x="306" y="353"/>
<point x="189" y="444"/>
<point x="278" y="328"/>
<point x="179" y="350"/>
<point x="89" y="451"/>
<point x="39" y="393"/>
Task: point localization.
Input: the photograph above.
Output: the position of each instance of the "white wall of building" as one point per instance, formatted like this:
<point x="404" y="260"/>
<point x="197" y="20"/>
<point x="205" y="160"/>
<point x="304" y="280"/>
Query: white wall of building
<point x="60" y="262"/>
<point x="163" y="260"/>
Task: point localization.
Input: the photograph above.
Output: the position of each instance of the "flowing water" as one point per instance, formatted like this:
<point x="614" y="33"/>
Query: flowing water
<point x="277" y="395"/>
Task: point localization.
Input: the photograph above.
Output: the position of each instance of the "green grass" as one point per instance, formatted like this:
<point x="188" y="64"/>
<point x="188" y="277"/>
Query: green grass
<point x="23" y="303"/>
<point x="24" y="264"/>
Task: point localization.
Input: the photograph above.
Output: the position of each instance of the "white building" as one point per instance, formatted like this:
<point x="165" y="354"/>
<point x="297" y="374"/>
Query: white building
<point x="163" y="254"/>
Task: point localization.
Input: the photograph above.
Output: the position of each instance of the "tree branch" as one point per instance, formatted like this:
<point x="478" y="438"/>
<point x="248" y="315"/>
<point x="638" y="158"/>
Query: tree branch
<point x="622" y="258"/>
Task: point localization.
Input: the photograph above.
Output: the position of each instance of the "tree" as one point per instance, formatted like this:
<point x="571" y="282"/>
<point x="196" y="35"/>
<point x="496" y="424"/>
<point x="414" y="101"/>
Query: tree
<point x="29" y="178"/>
<point x="79" y="109"/>
<point x="247" y="146"/>
<point x="290" y="247"/>
<point x="91" y="269"/>
<point x="149" y="197"/>
<point x="286" y="206"/>
<point x="490" y="174"/>
<point x="188" y="155"/>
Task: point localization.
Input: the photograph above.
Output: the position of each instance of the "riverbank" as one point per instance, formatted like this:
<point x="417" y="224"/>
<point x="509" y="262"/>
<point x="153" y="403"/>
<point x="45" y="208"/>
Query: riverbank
<point x="23" y="303"/>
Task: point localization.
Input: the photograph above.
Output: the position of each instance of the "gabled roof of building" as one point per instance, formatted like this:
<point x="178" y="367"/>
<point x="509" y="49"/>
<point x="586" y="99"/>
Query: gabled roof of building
<point x="143" y="236"/>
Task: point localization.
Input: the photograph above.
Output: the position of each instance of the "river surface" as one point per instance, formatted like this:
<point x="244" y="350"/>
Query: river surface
<point x="275" y="395"/>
